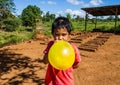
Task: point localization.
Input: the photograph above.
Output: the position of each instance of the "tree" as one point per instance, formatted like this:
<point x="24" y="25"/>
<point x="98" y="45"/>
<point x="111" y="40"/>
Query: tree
<point x="48" y="17"/>
<point x="30" y="14"/>
<point x="110" y="18"/>
<point x="78" y="18"/>
<point x="6" y="8"/>
<point x="68" y="16"/>
<point x="52" y="17"/>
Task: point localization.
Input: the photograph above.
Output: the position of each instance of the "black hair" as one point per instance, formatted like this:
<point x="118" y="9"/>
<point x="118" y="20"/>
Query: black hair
<point x="61" y="22"/>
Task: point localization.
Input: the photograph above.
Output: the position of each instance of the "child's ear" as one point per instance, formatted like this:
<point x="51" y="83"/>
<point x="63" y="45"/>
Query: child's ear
<point x="69" y="37"/>
<point x="53" y="34"/>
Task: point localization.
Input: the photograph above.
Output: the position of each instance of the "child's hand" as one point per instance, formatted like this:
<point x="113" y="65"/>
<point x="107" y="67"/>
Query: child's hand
<point x="56" y="40"/>
<point x="75" y="65"/>
<point x="45" y="59"/>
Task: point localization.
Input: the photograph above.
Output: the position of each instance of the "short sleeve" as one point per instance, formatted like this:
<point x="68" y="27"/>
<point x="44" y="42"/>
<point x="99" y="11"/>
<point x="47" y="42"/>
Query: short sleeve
<point x="77" y="53"/>
<point x="48" y="47"/>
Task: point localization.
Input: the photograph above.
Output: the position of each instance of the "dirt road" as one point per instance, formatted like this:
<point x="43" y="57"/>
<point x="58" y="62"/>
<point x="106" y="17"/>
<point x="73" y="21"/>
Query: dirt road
<point x="21" y="64"/>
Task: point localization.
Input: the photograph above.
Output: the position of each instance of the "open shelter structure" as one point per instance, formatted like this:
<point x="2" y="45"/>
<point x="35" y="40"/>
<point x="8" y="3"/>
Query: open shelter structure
<point x="103" y="11"/>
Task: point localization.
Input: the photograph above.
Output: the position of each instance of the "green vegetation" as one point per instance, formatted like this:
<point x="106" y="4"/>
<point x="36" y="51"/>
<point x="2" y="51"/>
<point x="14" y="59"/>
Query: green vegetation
<point x="30" y="15"/>
<point x="15" y="29"/>
<point x="14" y="37"/>
<point x="11" y="24"/>
<point x="80" y="26"/>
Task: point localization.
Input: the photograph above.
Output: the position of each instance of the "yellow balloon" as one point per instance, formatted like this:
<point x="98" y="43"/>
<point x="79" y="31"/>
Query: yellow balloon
<point x="61" y="55"/>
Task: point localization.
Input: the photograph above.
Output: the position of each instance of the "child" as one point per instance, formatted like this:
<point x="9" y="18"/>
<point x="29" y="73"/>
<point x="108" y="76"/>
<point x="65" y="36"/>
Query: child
<point x="61" y="29"/>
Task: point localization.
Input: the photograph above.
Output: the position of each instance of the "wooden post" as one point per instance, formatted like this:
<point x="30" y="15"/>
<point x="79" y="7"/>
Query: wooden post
<point x="116" y="18"/>
<point x="95" y="22"/>
<point x="86" y="19"/>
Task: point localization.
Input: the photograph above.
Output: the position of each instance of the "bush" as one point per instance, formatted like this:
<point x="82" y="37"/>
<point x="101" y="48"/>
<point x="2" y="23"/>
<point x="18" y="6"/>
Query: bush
<point x="12" y="24"/>
<point x="118" y="29"/>
<point x="21" y="28"/>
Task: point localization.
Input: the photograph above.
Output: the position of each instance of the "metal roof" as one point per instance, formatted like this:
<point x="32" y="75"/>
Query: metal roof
<point x="103" y="11"/>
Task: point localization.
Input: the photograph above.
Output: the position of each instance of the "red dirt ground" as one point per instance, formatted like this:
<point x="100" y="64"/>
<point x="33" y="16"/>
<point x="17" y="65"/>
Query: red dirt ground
<point x="20" y="64"/>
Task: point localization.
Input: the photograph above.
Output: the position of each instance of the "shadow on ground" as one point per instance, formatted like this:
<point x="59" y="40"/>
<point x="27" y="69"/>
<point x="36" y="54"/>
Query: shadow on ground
<point x="16" y="69"/>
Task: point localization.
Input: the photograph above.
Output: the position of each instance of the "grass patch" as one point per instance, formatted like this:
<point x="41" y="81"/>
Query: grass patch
<point x="14" y="37"/>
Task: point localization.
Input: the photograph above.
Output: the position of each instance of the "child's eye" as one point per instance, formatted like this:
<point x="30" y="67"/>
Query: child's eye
<point x="57" y="34"/>
<point x="64" y="34"/>
<point x="61" y="34"/>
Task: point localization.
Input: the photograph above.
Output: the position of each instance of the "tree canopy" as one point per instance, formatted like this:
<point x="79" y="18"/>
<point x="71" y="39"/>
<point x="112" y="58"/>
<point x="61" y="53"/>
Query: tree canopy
<point x="6" y="8"/>
<point x="30" y="14"/>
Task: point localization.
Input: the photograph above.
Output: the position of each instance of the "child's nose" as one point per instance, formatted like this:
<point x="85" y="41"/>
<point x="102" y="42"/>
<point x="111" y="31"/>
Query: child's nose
<point x="60" y="37"/>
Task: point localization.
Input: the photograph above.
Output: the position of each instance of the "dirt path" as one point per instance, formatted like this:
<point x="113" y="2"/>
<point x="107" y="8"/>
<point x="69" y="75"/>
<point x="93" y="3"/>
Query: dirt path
<point x="21" y="64"/>
<point x="101" y="67"/>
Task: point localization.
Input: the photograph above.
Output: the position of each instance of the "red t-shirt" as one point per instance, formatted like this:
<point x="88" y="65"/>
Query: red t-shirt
<point x="60" y="77"/>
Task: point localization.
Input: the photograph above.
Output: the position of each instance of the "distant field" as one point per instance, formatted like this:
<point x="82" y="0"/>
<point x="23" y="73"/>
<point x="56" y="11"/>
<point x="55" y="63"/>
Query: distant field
<point x="18" y="36"/>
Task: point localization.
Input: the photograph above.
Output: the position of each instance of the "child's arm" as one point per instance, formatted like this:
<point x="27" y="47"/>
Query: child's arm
<point x="45" y="59"/>
<point x="77" y="57"/>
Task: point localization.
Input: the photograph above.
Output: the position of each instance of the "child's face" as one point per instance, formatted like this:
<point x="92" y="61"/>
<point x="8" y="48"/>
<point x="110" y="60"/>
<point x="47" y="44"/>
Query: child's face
<point x="61" y="34"/>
